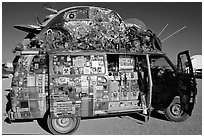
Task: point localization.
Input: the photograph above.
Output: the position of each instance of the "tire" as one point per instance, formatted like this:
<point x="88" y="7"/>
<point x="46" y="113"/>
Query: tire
<point x="63" y="126"/>
<point x="174" y="112"/>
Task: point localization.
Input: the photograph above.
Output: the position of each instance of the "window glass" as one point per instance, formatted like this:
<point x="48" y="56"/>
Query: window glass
<point x="159" y="62"/>
<point x="161" y="70"/>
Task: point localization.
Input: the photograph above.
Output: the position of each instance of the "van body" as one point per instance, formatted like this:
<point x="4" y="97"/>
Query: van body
<point x="60" y="85"/>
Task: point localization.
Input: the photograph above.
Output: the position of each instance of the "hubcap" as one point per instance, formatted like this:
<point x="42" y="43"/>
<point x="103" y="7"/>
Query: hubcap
<point x="63" y="122"/>
<point x="63" y="125"/>
<point x="10" y="76"/>
<point x="176" y="110"/>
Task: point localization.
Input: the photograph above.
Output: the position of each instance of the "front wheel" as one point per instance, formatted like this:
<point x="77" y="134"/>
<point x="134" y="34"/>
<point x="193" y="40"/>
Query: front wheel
<point x="174" y="112"/>
<point x="63" y="126"/>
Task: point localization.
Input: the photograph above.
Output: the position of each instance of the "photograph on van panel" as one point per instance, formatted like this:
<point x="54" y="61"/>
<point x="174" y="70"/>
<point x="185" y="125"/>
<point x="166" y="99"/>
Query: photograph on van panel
<point x="97" y="69"/>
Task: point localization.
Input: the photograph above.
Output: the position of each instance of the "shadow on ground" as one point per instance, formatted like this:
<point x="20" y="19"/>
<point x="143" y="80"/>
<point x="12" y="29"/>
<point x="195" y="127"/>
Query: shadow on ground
<point x="143" y="118"/>
<point x="139" y="117"/>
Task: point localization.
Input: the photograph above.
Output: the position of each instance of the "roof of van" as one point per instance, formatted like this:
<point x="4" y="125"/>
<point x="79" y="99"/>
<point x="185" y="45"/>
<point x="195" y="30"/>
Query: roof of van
<point x="100" y="52"/>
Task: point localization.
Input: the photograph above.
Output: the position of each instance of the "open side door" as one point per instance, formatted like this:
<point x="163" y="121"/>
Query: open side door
<point x="150" y="84"/>
<point x="186" y="82"/>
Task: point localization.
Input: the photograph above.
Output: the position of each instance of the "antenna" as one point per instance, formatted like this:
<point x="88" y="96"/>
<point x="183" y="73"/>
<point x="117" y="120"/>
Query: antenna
<point x="38" y="20"/>
<point x="55" y="5"/>
<point x="52" y="10"/>
<point x="173" y="34"/>
<point x="162" y="30"/>
<point x="49" y="7"/>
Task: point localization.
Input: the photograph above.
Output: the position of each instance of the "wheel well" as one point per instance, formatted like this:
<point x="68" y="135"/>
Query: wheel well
<point x="47" y="112"/>
<point x="168" y="103"/>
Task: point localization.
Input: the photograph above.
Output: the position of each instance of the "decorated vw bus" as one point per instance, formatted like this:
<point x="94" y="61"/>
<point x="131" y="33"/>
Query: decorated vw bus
<point x="86" y="62"/>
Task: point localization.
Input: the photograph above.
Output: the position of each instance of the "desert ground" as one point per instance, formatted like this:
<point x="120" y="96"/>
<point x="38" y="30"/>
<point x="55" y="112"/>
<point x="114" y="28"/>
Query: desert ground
<point x="124" y="125"/>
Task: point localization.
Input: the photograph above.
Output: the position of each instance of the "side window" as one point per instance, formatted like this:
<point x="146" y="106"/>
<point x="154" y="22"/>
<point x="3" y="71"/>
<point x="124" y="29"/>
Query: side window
<point x="160" y="62"/>
<point x="162" y="71"/>
<point x="39" y="65"/>
<point x="184" y="64"/>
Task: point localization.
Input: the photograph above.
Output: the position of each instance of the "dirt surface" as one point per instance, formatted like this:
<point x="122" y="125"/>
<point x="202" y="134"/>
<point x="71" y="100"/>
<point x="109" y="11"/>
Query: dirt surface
<point x="125" y="125"/>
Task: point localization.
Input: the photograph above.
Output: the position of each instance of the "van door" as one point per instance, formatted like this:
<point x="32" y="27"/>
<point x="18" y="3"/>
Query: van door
<point x="186" y="82"/>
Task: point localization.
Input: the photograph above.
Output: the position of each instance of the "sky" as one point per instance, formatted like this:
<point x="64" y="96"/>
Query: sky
<point x="155" y="16"/>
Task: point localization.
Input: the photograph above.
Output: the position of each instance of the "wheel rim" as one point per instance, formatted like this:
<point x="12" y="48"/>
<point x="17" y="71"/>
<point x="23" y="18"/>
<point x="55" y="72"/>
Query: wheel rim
<point x="176" y="110"/>
<point x="10" y="76"/>
<point x="63" y="125"/>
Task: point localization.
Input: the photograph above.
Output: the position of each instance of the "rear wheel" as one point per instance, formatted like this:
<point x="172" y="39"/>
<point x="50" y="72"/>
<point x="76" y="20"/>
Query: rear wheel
<point x="174" y="112"/>
<point x="59" y="126"/>
<point x="63" y="125"/>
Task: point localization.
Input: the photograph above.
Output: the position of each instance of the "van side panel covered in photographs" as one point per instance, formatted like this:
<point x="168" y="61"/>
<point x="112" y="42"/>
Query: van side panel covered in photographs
<point x="93" y="84"/>
<point x="29" y="87"/>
